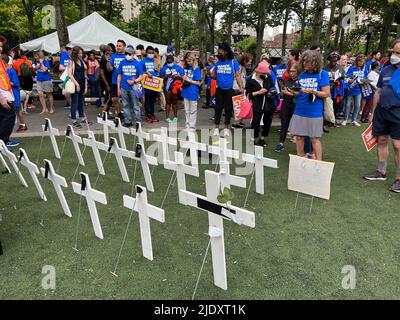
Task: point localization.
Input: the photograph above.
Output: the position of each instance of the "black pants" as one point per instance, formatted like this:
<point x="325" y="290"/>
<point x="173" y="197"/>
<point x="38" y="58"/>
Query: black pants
<point x="7" y="121"/>
<point x="285" y="115"/>
<point x="208" y="97"/>
<point x="149" y="102"/>
<point x="223" y="102"/>
<point x="257" y="115"/>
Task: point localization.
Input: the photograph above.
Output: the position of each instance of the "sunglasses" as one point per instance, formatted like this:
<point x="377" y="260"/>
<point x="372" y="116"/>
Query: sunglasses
<point x="396" y="52"/>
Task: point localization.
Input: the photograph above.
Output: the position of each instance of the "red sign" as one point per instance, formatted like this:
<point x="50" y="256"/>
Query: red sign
<point x="237" y="103"/>
<point x="153" y="83"/>
<point x="369" y="140"/>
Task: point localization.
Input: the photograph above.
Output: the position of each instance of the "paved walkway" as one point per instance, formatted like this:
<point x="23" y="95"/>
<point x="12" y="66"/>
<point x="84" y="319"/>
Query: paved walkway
<point x="60" y="119"/>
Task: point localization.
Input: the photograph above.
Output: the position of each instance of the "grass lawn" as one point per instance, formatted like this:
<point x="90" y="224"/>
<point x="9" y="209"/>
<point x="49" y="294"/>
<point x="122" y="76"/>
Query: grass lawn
<point x="289" y="255"/>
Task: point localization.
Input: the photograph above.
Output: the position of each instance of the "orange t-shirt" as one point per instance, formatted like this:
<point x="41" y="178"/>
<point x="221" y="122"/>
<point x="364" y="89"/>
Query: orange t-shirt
<point x="17" y="64"/>
<point x="4" y="79"/>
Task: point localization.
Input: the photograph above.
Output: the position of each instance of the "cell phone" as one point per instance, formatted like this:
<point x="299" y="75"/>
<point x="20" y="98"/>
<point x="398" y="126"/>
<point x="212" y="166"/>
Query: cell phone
<point x="294" y="88"/>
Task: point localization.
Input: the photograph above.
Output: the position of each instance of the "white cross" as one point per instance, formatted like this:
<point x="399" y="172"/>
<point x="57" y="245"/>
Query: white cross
<point x="106" y="123"/>
<point x="92" y="196"/>
<point x="58" y="181"/>
<point x="223" y="151"/>
<point x="96" y="146"/>
<point x="76" y="140"/>
<point x="140" y="134"/>
<point x="53" y="132"/>
<point x="33" y="171"/>
<point x="140" y="155"/>
<point x="181" y="170"/>
<point x="117" y="126"/>
<point x="146" y="211"/>
<point x="119" y="154"/>
<point x="193" y="147"/>
<point x="227" y="179"/>
<point x="165" y="141"/>
<point x="260" y="162"/>
<point x="13" y="160"/>
<point x="216" y="213"/>
<point x="4" y="163"/>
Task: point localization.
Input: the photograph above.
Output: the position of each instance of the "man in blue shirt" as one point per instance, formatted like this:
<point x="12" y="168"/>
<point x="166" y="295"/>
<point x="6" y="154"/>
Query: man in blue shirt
<point x="129" y="75"/>
<point x="65" y="57"/>
<point x="113" y="65"/>
<point x="375" y="56"/>
<point x="150" y="69"/>
<point x="280" y="69"/>
<point x="385" y="117"/>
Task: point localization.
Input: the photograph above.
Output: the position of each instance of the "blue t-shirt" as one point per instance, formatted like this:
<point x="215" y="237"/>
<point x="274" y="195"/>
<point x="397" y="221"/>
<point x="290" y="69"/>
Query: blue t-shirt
<point x="43" y="75"/>
<point x="225" y="73"/>
<point x="273" y="76"/>
<point x="115" y="60"/>
<point x="12" y="74"/>
<point x="279" y="70"/>
<point x="149" y="65"/>
<point x="192" y="92"/>
<point x="388" y="98"/>
<point x="354" y="88"/>
<point x="171" y="71"/>
<point x="368" y="65"/>
<point x="129" y="70"/>
<point x="315" y="81"/>
<point x="64" y="58"/>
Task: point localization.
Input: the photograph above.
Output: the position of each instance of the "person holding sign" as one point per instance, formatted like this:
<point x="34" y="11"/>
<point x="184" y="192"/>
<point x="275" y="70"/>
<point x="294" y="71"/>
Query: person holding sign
<point x="373" y="77"/>
<point x="129" y="74"/>
<point x="307" y="120"/>
<point x="149" y="66"/>
<point x="190" y="91"/>
<point x="171" y="73"/>
<point x="225" y="71"/>
<point x="385" y="117"/>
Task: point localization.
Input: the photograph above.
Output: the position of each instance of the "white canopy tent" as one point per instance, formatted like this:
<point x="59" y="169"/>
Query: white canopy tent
<point x="88" y="33"/>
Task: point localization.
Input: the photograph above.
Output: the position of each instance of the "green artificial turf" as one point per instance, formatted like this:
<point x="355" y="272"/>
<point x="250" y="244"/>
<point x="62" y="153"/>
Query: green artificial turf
<point x="289" y="255"/>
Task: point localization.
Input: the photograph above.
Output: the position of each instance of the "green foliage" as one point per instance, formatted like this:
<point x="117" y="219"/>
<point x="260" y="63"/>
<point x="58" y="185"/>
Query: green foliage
<point x="247" y="45"/>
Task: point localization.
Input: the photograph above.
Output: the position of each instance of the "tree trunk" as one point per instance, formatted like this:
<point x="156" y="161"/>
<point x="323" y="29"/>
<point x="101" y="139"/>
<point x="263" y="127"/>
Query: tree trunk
<point x="260" y="28"/>
<point x="317" y="22"/>
<point x="327" y="42"/>
<point x="201" y="22"/>
<point x="211" y="26"/>
<point x="109" y="10"/>
<point x="342" y="36"/>
<point x="62" y="30"/>
<point x="230" y="22"/>
<point x="170" y="28"/>
<point x="338" y="24"/>
<point x="387" y="26"/>
<point x="84" y="8"/>
<point x="285" y="22"/>
<point x="160" y="26"/>
<point x="303" y="23"/>
<point x="29" y="13"/>
<point x="177" y="30"/>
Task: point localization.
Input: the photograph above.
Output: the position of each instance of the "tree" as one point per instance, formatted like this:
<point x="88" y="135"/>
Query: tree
<point x="318" y="20"/>
<point x="30" y="10"/>
<point x="62" y="30"/>
<point x="84" y="8"/>
<point x="177" y="27"/>
<point x="327" y="42"/>
<point x="201" y="23"/>
<point x="170" y="27"/>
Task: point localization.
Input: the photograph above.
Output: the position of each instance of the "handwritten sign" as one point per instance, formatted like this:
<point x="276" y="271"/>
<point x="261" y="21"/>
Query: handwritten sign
<point x="237" y="103"/>
<point x="369" y="140"/>
<point x="154" y="83"/>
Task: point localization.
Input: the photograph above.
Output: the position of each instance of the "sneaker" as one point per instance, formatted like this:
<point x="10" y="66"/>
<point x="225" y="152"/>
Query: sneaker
<point x="364" y="120"/>
<point x="13" y="143"/>
<point x="212" y="119"/>
<point x="67" y="106"/>
<point x="216" y="132"/>
<point x="154" y="119"/>
<point x="261" y="143"/>
<point x="127" y="125"/>
<point x="76" y="125"/>
<point x="395" y="186"/>
<point x="377" y="175"/>
<point x="148" y="120"/>
<point x="279" y="148"/>
<point x="168" y="120"/>
<point x="22" y="128"/>
<point x="175" y="119"/>
<point x="355" y="123"/>
<point x="30" y="106"/>
<point x="238" y="125"/>
<point x="227" y="132"/>
<point x="344" y="122"/>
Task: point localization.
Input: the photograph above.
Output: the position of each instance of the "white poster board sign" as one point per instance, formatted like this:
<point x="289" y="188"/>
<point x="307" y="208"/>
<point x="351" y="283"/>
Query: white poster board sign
<point x="312" y="177"/>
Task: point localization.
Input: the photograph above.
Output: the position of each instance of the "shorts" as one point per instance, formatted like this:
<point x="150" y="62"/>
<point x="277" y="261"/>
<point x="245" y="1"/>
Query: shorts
<point x="45" y="86"/>
<point x="114" y="91"/>
<point x="386" y="122"/>
<point x="171" y="98"/>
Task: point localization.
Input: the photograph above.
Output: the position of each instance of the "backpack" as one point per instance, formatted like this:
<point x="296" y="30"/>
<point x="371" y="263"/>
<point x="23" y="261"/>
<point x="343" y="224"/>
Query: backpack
<point x="26" y="71"/>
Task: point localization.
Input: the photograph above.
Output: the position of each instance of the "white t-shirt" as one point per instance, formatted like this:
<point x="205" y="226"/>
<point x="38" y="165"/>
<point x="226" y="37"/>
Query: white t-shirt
<point x="373" y="76"/>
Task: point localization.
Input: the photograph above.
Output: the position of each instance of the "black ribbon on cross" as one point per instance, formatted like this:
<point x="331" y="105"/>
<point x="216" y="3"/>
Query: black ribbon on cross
<point x="139" y="190"/>
<point x="46" y="169"/>
<point x="83" y="182"/>
<point x="112" y="141"/>
<point x="46" y="125"/>
<point x="116" y="122"/>
<point x="213" y="207"/>
<point x="21" y="155"/>
<point x="138" y="150"/>
<point x="104" y="115"/>
<point x="68" y="132"/>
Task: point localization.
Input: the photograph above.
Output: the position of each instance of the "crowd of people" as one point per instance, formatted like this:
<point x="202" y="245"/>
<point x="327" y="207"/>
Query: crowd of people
<point x="353" y="88"/>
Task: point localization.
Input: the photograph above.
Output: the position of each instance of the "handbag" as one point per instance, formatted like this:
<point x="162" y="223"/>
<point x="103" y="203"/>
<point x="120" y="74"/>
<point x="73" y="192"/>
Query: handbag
<point x="68" y="85"/>
<point x="246" y="109"/>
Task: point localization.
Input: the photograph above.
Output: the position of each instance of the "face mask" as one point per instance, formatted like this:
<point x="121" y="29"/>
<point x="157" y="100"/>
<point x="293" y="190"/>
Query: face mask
<point x="150" y="56"/>
<point x="170" y="65"/>
<point x="128" y="57"/>
<point x="263" y="77"/>
<point x="394" y="59"/>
